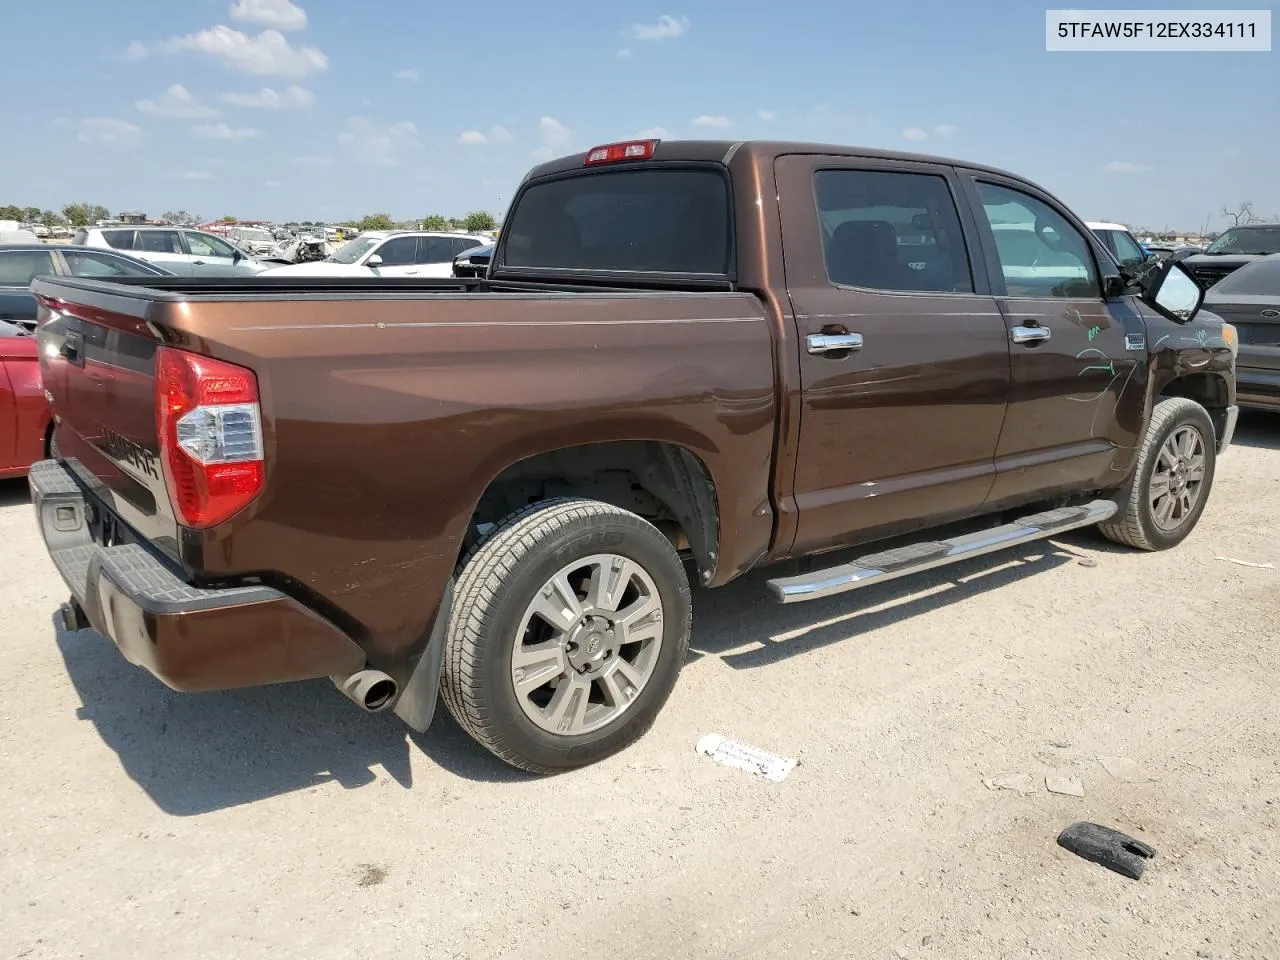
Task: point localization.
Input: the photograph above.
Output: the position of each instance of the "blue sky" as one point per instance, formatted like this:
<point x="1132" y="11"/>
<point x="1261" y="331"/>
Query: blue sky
<point x="323" y="109"/>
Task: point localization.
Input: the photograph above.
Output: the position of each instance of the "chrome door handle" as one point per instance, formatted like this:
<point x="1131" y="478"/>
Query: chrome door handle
<point x="820" y="343"/>
<point x="1030" y="334"/>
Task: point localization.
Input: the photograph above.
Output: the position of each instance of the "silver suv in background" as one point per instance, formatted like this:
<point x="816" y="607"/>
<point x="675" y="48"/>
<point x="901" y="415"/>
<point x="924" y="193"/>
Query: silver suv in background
<point x="180" y="250"/>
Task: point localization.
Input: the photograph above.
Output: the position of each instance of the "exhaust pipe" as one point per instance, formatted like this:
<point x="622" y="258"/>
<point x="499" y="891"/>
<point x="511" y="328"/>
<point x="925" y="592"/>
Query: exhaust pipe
<point x="372" y="690"/>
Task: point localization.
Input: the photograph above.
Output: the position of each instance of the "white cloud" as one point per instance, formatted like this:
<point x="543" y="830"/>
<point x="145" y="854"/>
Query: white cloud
<point x="102" y="130"/>
<point x="268" y="99"/>
<point x="312" y="160"/>
<point x="655" y="133"/>
<point x="1125" y="166"/>
<point x="274" y="13"/>
<point x="667" y="27"/>
<point x="221" y="131"/>
<point x="943" y="130"/>
<point x="709" y="120"/>
<point x="137" y="50"/>
<point x="176" y="103"/>
<point x="269" y="53"/>
<point x="378" y="145"/>
<point x="915" y="133"/>
<point x="542" y="154"/>
<point x="768" y="115"/>
<point x="409" y="73"/>
<point x="497" y="135"/>
<point x="553" y="132"/>
<point x="193" y="175"/>
<point x="625" y="53"/>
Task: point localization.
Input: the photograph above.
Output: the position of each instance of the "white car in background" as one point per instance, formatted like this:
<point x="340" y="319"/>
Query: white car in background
<point x="254" y="241"/>
<point x="1120" y="243"/>
<point x="387" y="253"/>
<point x="181" y="251"/>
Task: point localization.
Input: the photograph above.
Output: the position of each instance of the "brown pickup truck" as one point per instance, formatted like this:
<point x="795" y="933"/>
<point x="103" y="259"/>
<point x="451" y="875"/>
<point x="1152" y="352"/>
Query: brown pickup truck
<point x="686" y="356"/>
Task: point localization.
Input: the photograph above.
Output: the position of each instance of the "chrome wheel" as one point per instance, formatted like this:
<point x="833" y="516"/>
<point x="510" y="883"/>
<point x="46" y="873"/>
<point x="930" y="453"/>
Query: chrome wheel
<point x="1177" y="478"/>
<point x="587" y="644"/>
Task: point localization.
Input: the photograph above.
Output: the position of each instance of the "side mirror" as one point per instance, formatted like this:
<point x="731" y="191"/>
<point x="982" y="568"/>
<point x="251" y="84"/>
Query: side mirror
<point x="374" y="261"/>
<point x="1173" y="292"/>
<point x="236" y="255"/>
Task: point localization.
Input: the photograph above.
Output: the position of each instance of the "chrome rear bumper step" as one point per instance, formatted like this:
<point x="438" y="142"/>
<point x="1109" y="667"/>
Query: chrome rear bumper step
<point x="916" y="557"/>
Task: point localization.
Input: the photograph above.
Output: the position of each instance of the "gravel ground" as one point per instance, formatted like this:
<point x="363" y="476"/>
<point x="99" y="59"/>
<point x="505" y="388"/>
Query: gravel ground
<point x="285" y="823"/>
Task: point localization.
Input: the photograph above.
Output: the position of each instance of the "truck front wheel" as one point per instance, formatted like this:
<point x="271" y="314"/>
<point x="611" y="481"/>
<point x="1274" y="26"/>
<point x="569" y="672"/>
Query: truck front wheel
<point x="1170" y="484"/>
<point x="569" y="628"/>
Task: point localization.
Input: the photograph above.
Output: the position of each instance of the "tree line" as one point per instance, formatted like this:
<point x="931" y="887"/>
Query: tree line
<point x="473" y="222"/>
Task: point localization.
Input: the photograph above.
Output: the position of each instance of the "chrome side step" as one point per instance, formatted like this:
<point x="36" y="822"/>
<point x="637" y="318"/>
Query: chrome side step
<point x="916" y="557"/>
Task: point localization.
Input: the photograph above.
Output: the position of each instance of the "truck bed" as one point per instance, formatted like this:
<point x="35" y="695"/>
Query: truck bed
<point x="387" y="408"/>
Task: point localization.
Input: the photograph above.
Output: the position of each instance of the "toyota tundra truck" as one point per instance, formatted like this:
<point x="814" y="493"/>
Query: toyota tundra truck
<point x="688" y="360"/>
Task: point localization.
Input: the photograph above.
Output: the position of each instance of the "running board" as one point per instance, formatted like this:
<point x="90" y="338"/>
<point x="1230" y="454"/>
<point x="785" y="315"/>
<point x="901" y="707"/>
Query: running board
<point x="916" y="557"/>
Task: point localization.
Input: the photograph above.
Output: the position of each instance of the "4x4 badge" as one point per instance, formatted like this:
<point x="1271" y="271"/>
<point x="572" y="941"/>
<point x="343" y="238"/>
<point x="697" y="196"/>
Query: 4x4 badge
<point x="1135" y="341"/>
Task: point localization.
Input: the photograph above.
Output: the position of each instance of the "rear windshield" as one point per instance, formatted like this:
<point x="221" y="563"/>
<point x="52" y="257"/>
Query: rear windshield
<point x="1263" y="240"/>
<point x="655" y="220"/>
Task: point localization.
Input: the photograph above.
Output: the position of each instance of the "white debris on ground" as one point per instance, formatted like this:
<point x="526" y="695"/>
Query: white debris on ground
<point x="742" y="756"/>
<point x="1067" y="786"/>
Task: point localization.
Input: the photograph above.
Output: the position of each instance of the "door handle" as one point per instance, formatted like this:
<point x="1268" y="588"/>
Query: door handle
<point x="197" y="263"/>
<point x="820" y="343"/>
<point x="1027" y="334"/>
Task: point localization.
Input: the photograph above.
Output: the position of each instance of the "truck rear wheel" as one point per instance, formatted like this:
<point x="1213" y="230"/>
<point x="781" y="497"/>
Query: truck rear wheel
<point x="569" y="628"/>
<point x="1166" y="495"/>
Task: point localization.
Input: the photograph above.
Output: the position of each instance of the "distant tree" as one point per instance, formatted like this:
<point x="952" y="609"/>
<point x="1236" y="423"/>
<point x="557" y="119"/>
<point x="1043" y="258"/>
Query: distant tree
<point x="1242" y="214"/>
<point x="50" y="219"/>
<point x="10" y="212"/>
<point x="84" y="214"/>
<point x="436" y="221"/>
<point x="181" y="217"/>
<point x="31" y="214"/>
<point x="228" y="219"/>
<point x="478" y="220"/>
<point x="376" y="221"/>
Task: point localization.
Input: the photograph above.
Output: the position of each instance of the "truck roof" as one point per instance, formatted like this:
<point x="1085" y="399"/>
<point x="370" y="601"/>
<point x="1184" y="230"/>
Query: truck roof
<point x="722" y="150"/>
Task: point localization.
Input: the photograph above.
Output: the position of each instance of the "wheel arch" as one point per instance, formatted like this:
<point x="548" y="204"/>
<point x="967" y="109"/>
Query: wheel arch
<point x="665" y="482"/>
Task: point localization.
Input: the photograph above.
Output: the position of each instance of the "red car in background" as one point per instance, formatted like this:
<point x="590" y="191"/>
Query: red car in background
<point x="25" y="436"/>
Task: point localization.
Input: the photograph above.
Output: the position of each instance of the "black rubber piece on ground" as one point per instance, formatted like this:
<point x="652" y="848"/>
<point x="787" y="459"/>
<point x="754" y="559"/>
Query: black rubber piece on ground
<point x="1110" y="848"/>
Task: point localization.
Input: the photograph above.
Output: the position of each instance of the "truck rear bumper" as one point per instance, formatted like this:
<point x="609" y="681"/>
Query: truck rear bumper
<point x="191" y="638"/>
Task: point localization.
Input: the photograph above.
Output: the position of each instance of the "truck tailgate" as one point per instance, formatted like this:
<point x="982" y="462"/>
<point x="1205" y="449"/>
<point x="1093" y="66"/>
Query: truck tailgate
<point x="97" y="360"/>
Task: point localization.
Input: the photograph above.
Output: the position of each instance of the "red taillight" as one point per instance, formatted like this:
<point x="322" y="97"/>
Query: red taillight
<point x="210" y="430"/>
<point x="613" y="152"/>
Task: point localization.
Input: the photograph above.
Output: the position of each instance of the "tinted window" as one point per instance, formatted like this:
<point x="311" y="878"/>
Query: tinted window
<point x="398" y="251"/>
<point x="1263" y="240"/>
<point x="120" y="239"/>
<point x="891" y="231"/>
<point x="656" y="220"/>
<point x="436" y="249"/>
<point x="159" y="241"/>
<point x="207" y="245"/>
<point x="1041" y="254"/>
<point x="461" y="244"/>
<point x="17" y="267"/>
<point x="85" y="264"/>
<point x="1260" y="278"/>
<point x="1125" y="247"/>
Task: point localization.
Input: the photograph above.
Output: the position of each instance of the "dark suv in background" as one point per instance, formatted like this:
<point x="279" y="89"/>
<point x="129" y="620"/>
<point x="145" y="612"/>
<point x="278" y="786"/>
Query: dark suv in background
<point x="1231" y="251"/>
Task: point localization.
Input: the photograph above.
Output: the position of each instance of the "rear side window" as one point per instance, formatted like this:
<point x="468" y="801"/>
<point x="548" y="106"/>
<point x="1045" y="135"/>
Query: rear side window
<point x="673" y="220"/>
<point x="436" y="249"/>
<point x="119" y="239"/>
<point x="85" y="264"/>
<point x="17" y="267"/>
<point x="891" y="231"/>
<point x="159" y="241"/>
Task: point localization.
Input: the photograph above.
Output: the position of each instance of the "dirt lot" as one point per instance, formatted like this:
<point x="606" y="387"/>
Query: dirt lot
<point x="285" y="823"/>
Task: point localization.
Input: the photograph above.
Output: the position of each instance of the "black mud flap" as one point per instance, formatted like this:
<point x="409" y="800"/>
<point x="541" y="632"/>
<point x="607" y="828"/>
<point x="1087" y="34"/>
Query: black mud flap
<point x="1110" y="848"/>
<point x="416" y="704"/>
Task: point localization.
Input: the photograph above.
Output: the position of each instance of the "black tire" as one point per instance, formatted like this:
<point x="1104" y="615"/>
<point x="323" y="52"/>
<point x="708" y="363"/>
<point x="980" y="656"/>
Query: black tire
<point x="1135" y="525"/>
<point x="51" y="443"/>
<point x="498" y="581"/>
